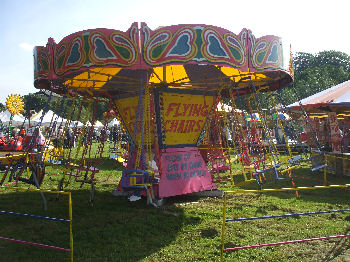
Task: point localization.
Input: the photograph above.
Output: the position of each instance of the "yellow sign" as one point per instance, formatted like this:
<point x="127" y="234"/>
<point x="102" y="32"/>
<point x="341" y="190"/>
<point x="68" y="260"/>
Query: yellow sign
<point x="184" y="116"/>
<point x="127" y="108"/>
<point x="14" y="104"/>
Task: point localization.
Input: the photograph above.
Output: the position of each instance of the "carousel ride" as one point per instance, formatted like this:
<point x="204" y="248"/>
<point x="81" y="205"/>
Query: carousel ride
<point x="165" y="85"/>
<point x="21" y="157"/>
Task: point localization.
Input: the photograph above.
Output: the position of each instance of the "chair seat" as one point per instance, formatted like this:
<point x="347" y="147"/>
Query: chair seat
<point x="269" y="169"/>
<point x="294" y="160"/>
<point x="318" y="167"/>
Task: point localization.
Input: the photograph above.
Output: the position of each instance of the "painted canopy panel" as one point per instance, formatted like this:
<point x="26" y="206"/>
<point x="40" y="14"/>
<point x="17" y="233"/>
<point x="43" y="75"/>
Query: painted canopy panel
<point x="210" y="44"/>
<point x="87" y="49"/>
<point x="111" y="62"/>
<point x="196" y="44"/>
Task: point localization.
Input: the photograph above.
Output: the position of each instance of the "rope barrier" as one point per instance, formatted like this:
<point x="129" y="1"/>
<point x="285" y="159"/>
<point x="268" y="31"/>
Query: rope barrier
<point x="35" y="244"/>
<point x="286" y="215"/>
<point x="33" y="216"/>
<point x="46" y="218"/>
<point x="285" y="242"/>
<point x="224" y="220"/>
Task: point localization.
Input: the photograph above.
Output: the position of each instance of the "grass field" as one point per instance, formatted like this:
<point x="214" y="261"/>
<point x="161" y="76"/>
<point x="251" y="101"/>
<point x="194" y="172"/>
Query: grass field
<point x="186" y="228"/>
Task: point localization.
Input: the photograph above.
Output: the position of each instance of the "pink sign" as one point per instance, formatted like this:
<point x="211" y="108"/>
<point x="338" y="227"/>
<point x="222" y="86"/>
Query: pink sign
<point x="310" y="139"/>
<point x="335" y="132"/>
<point x="183" y="171"/>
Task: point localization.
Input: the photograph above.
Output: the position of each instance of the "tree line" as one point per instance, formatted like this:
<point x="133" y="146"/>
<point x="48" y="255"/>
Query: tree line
<point x="315" y="73"/>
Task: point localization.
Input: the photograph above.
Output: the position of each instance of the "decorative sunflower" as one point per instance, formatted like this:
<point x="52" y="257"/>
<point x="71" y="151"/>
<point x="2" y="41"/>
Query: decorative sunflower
<point x="14" y="104"/>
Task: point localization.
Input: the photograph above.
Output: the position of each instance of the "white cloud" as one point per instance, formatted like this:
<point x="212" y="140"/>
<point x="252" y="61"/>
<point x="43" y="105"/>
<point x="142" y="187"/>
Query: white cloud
<point x="26" y="46"/>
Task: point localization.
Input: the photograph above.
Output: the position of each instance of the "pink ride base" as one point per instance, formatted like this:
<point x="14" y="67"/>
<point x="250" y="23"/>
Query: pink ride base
<point x="183" y="171"/>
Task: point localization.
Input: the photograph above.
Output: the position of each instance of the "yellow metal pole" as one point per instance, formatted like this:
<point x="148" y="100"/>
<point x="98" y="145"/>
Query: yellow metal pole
<point x="288" y="169"/>
<point x="27" y="161"/>
<point x="70" y="226"/>
<point x="283" y="189"/>
<point x="223" y="227"/>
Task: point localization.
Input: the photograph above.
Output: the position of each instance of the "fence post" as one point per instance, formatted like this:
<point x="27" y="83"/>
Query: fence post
<point x="223" y="227"/>
<point x="325" y="171"/>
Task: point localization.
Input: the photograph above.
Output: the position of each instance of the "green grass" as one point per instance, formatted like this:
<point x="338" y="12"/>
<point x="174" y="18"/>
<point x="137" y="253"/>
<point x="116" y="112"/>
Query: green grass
<point x="186" y="228"/>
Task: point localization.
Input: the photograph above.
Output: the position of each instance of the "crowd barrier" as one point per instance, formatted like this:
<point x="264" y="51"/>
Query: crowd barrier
<point x="44" y="218"/>
<point x="225" y="220"/>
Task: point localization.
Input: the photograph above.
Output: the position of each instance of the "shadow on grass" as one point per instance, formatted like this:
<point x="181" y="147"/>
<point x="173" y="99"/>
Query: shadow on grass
<point x="114" y="229"/>
<point x="340" y="246"/>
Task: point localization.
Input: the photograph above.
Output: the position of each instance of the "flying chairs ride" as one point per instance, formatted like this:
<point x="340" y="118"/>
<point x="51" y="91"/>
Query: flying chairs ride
<point x="164" y="84"/>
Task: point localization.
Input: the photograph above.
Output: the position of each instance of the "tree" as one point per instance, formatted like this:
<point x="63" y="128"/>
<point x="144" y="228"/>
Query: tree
<point x="2" y="107"/>
<point x="34" y="101"/>
<point x="315" y="73"/>
<point x="63" y="107"/>
<point x="332" y="58"/>
<point x="302" y="61"/>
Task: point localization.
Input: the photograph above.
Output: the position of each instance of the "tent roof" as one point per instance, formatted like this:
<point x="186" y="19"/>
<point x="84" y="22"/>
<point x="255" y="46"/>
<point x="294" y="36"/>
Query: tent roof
<point x="336" y="98"/>
<point x="114" y="122"/>
<point x="98" y="124"/>
<point x="6" y="115"/>
<point x="47" y="117"/>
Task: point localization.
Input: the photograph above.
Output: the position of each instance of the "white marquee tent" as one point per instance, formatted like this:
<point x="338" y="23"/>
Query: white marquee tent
<point x="76" y="123"/>
<point x="113" y="122"/>
<point x="16" y="120"/>
<point x="97" y="124"/>
<point x="50" y="115"/>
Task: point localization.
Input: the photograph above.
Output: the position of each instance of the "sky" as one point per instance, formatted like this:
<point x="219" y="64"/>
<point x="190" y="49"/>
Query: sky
<point x="308" y="26"/>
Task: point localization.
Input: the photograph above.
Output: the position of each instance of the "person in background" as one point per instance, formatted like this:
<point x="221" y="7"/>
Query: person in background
<point x="278" y="134"/>
<point x="22" y="133"/>
<point x="60" y="132"/>
<point x="115" y="133"/>
<point x="346" y="135"/>
<point x="39" y="141"/>
<point x="14" y="133"/>
<point x="68" y="139"/>
<point x="108" y="133"/>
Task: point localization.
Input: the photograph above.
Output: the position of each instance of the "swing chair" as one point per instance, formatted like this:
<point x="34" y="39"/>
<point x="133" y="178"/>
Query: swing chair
<point x="85" y="170"/>
<point x="119" y="148"/>
<point x="218" y="146"/>
<point x="239" y="145"/>
<point x="57" y="137"/>
<point x="55" y="153"/>
<point x="238" y="128"/>
<point x="261" y="173"/>
<point x="316" y="159"/>
<point x="292" y="160"/>
<point x="139" y="175"/>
